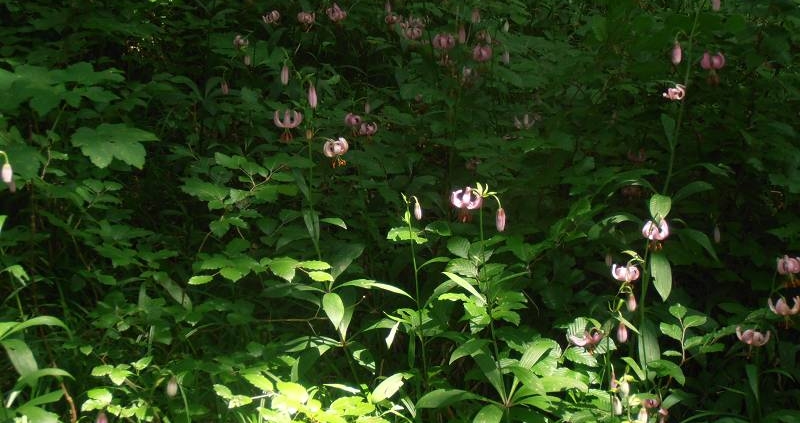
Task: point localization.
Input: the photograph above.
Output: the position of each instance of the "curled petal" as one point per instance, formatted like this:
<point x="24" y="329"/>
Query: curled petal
<point x="277" y="120"/>
<point x="653" y="233"/>
<point x="705" y="62"/>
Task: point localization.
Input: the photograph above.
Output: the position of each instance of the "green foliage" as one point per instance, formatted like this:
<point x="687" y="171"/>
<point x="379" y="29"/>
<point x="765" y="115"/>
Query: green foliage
<point x="175" y="255"/>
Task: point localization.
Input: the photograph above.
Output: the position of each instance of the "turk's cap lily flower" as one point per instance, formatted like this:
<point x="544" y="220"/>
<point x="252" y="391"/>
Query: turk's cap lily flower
<point x="625" y="273"/>
<point x="712" y="62"/>
<point x="677" y="54"/>
<point x="337" y="147"/>
<point x="271" y="17"/>
<point x="589" y="339"/>
<point x="368" y="129"/>
<point x="656" y="233"/>
<point x="306" y="18"/>
<point x="781" y="307"/>
<point x="335" y="13"/>
<point x="353" y="120"/>
<point x="752" y="337"/>
<point x="482" y="53"/>
<point x="443" y="41"/>
<point x="651" y="403"/>
<point x="788" y="265"/>
<point x="240" y="41"/>
<point x="676" y="93"/>
<point x="466" y="199"/>
<point x="291" y="119"/>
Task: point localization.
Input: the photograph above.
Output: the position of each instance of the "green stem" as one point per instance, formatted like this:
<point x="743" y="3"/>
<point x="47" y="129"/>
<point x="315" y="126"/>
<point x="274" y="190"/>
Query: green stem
<point x="676" y="130"/>
<point x="417" y="299"/>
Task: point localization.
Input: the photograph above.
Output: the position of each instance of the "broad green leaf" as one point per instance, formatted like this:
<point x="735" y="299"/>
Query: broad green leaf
<point x="692" y="188"/>
<point x="468" y="348"/>
<point x="662" y="274"/>
<point x="635" y="367"/>
<point x="20" y="355"/>
<point x="200" y="279"/>
<point x="284" y="267"/>
<point x="534" y="352"/>
<point x="31" y="378"/>
<point x="488" y="366"/>
<point x="387" y="387"/>
<point x="293" y="391"/>
<point x="445" y="397"/>
<point x="334" y="221"/>
<point x="369" y="284"/>
<point x="678" y="311"/>
<point x="556" y="383"/>
<point x="648" y="342"/>
<point x="314" y="265"/>
<point x="490" y="413"/>
<point x="10" y="328"/>
<point x="528" y="379"/>
<point x="142" y="363"/>
<point x="694" y="320"/>
<point x="660" y="206"/>
<point x="259" y="381"/>
<point x="667" y="368"/>
<point x="466" y="285"/>
<point x="673" y="331"/>
<point x="334" y="309"/>
<point x="668" y="124"/>
<point x="223" y="391"/>
<point x="110" y="141"/>
<point x="458" y="246"/>
<point x="699" y="238"/>
<point x="320" y="276"/>
<point x="403" y="233"/>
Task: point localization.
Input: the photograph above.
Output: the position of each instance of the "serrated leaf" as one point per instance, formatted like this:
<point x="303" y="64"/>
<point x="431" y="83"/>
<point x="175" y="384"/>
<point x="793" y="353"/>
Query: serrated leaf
<point x="403" y="233"/>
<point x="678" y="311"/>
<point x="283" y="267"/>
<point x="142" y="363"/>
<point x="113" y="141"/>
<point x="673" y="331"/>
<point x="458" y="246"/>
<point x="320" y="276"/>
<point x="662" y="274"/>
<point x="694" y="321"/>
<point x="223" y="391"/>
<point x="231" y="273"/>
<point x="293" y="391"/>
<point x="314" y="265"/>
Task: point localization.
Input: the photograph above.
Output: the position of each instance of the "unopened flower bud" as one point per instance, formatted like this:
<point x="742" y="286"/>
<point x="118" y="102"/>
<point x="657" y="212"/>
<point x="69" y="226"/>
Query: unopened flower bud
<point x="285" y="75"/>
<point x="312" y="96"/>
<point x="505" y="26"/>
<point x="248" y="60"/>
<point x="500" y="220"/>
<point x="642" y="416"/>
<point x="367" y="108"/>
<point x="677" y="54"/>
<point x="622" y="333"/>
<point x="717" y="234"/>
<point x="172" y="387"/>
<point x="223" y="86"/>
<point x="7" y="173"/>
<point x="631" y="303"/>
<point x="462" y="34"/>
<point x="505" y="58"/>
<point x="624" y="388"/>
<point x="417" y="210"/>
<point x="716" y="5"/>
<point x="609" y="259"/>
<point x="101" y="418"/>
<point x="616" y="405"/>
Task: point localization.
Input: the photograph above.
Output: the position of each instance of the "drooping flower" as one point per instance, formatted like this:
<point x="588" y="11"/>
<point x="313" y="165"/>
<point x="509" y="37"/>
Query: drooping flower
<point x="589" y="340"/>
<point x="240" y="42"/>
<point x="335" y="149"/>
<point x="625" y="273"/>
<point x="307" y="19"/>
<point x="352" y="120"/>
<point x="466" y="198"/>
<point x="651" y="403"/>
<point x="312" y="96"/>
<point x="172" y="387"/>
<point x="712" y="62"/>
<point x="788" y="265"/>
<point x="653" y="233"/>
<point x="412" y="28"/>
<point x="335" y="13"/>
<point x="676" y="93"/>
<point x="677" y="54"/>
<point x="500" y="220"/>
<point x="368" y="129"/>
<point x="616" y="405"/>
<point x="663" y="414"/>
<point x="7" y="173"/>
<point x="752" y="337"/>
<point x="781" y="307"/>
<point x="481" y="53"/>
<point x="291" y="119"/>
<point x="622" y="333"/>
<point x="642" y="417"/>
<point x="417" y="209"/>
<point x="630" y="303"/>
<point x="272" y="17"/>
<point x="443" y="41"/>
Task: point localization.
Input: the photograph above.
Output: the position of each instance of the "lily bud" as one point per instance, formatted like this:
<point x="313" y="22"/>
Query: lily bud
<point x="616" y="405"/>
<point x="223" y="86"/>
<point x="705" y="62"/>
<point x="609" y="259"/>
<point x="677" y="54"/>
<point x="285" y="75"/>
<point x="505" y="58"/>
<point x="505" y="26"/>
<point x="717" y="234"/>
<point x="417" y="210"/>
<point x="248" y="60"/>
<point x="172" y="387"/>
<point x="631" y="303"/>
<point x="622" y="333"/>
<point x="716" y="5"/>
<point x="500" y="220"/>
<point x="7" y="173"/>
<point x="101" y="418"/>
<point x="312" y="96"/>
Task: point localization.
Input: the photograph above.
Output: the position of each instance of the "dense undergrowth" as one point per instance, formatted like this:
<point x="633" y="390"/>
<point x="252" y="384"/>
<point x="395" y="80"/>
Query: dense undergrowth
<point x="532" y="211"/>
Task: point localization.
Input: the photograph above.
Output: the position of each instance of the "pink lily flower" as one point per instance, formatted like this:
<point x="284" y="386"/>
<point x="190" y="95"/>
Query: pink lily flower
<point x="781" y="307"/>
<point x="787" y="265"/>
<point x="752" y="337"/>
<point x="676" y="93"/>
<point x="653" y="233"/>
<point x="625" y="274"/>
